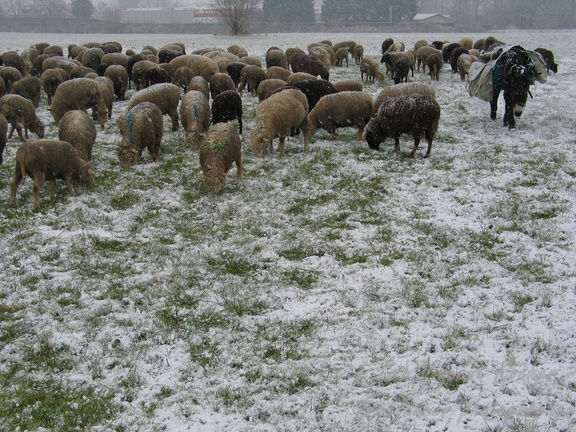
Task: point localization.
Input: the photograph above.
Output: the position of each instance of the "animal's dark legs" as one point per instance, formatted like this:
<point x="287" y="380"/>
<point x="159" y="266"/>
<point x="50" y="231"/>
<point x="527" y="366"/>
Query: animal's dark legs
<point x="509" y="112"/>
<point x="494" y="103"/>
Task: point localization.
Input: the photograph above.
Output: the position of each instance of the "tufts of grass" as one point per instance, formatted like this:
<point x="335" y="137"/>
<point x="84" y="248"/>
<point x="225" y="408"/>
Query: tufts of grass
<point x="124" y="201"/>
<point x="519" y="300"/>
<point x="33" y="404"/>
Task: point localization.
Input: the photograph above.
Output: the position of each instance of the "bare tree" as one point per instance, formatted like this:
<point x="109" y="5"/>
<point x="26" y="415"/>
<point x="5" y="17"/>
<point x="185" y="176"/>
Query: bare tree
<point x="51" y="7"/>
<point x="236" y="13"/>
<point x="16" y="7"/>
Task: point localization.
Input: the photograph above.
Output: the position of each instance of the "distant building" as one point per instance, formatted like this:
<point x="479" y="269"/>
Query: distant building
<point x="432" y="18"/>
<point x="179" y="15"/>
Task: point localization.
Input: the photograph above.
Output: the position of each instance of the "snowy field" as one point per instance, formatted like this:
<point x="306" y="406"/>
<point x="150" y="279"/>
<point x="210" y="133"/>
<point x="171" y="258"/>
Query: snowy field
<point x="338" y="289"/>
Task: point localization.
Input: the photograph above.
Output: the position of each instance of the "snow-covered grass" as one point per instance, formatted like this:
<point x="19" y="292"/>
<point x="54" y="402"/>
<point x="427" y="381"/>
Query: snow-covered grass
<point x="339" y="289"/>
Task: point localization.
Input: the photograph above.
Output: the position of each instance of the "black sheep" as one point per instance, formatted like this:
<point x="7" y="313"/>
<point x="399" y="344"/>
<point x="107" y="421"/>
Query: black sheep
<point x="414" y="115"/>
<point x="447" y="50"/>
<point x="227" y="106"/>
<point x="548" y="57"/>
<point x="386" y="44"/>
<point x="401" y="70"/>
<point x="314" y="90"/>
<point x="456" y="52"/>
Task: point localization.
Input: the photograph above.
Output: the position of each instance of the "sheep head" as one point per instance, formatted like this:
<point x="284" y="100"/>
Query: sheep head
<point x="85" y="174"/>
<point x="214" y="181"/>
<point x="37" y="127"/>
<point x="128" y="155"/>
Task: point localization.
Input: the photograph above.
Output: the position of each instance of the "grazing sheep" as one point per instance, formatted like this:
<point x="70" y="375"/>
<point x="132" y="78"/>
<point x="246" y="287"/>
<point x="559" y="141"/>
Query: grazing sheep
<point x="81" y="72"/>
<point x="464" y="63"/>
<point x="199" y="83"/>
<point x="77" y="128"/>
<point x="548" y="57"/>
<point x="422" y="54"/>
<point x="92" y="57"/>
<point x="267" y="86"/>
<point x="139" y="73"/>
<point x="401" y="70"/>
<point x="414" y="115"/>
<point x="60" y="62"/>
<point x="434" y="64"/>
<point x="15" y="60"/>
<point x="406" y="89"/>
<point x="2" y="87"/>
<point x="420" y="43"/>
<point x="53" y="50"/>
<point x="278" y="73"/>
<point x="220" y="82"/>
<point x="218" y="151"/>
<point x="157" y="75"/>
<point x="116" y="58"/>
<point x="29" y="87"/>
<point x="309" y="64"/>
<point x="165" y="95"/>
<point x="342" y="109"/>
<point x="166" y="55"/>
<point x="227" y="106"/>
<point x="199" y="65"/>
<point x="252" y="76"/>
<point x="195" y="116"/>
<point x="3" y="136"/>
<point x="20" y="112"/>
<point x="300" y="76"/>
<point x="49" y="160"/>
<point x="50" y="80"/>
<point x="447" y="50"/>
<point x="107" y="92"/>
<point x="391" y="59"/>
<point x="79" y="93"/>
<point x="348" y="85"/>
<point x="119" y="77"/>
<point x="279" y="116"/>
<point x="346" y="44"/>
<point x="276" y="57"/>
<point x="341" y="55"/>
<point x="36" y="69"/>
<point x="467" y="43"/>
<point x="10" y="75"/>
<point x="234" y="70"/>
<point x="314" y="90"/>
<point x="140" y="128"/>
<point x="358" y="53"/>
<point x="237" y="50"/>
<point x="371" y="69"/>
<point x="182" y="77"/>
<point x="326" y="55"/>
<point x="396" y="47"/>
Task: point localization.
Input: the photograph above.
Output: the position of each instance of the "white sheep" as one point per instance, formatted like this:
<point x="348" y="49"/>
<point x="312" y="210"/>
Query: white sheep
<point x="405" y="89"/>
<point x="195" y="116"/>
<point x="279" y="116"/>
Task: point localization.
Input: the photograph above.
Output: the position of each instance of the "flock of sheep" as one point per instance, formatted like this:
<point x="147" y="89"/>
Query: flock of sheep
<point x="294" y="92"/>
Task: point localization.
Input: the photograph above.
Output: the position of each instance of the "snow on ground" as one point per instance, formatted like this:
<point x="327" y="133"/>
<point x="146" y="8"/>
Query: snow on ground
<point x="338" y="289"/>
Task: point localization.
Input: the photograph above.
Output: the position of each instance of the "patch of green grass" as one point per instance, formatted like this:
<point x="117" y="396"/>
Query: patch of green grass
<point x="413" y="293"/>
<point x="124" y="201"/>
<point x="301" y="205"/>
<point x="232" y="265"/>
<point x="448" y="380"/>
<point x="519" y="300"/>
<point x="205" y="352"/>
<point x="32" y="404"/>
<point x="303" y="279"/>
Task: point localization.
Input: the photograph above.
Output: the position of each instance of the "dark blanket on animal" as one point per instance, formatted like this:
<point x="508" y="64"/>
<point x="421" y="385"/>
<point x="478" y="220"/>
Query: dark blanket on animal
<point x="487" y="72"/>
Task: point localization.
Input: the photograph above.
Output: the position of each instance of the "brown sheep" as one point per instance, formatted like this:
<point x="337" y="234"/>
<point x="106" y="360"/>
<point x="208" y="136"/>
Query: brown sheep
<point x="79" y="93"/>
<point x="199" y="83"/>
<point x="267" y="86"/>
<point x="20" y="112"/>
<point x="343" y="109"/>
<point x="107" y="92"/>
<point x="49" y="160"/>
<point x="434" y="63"/>
<point x="140" y="128"/>
<point x="277" y="72"/>
<point x="371" y="69"/>
<point x="251" y="76"/>
<point x="119" y="77"/>
<point x="50" y="80"/>
<point x="220" y="82"/>
<point x="77" y="128"/>
<point x="29" y="87"/>
<point x="348" y="85"/>
<point x="221" y="148"/>
<point x="181" y="77"/>
<point x="358" y="53"/>
<point x="309" y="64"/>
<point x="341" y="55"/>
<point x="405" y="89"/>
<point x="414" y="115"/>
<point x="276" y="57"/>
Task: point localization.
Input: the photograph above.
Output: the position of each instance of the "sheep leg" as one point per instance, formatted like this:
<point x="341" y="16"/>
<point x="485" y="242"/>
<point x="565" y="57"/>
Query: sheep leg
<point x="416" y="144"/>
<point x="38" y="181"/>
<point x="282" y="146"/>
<point x="397" y="145"/>
<point x="18" y="179"/>
<point x="68" y="183"/>
<point x="240" y="123"/>
<point x="239" y="168"/>
<point x="174" y="116"/>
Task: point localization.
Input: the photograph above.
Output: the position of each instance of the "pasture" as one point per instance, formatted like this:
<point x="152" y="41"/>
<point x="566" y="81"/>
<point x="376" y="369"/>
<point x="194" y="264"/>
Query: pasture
<point x="339" y="289"/>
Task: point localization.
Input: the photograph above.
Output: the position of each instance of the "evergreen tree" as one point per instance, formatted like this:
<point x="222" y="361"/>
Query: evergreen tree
<point x="82" y="8"/>
<point x="288" y="10"/>
<point x="336" y="10"/>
